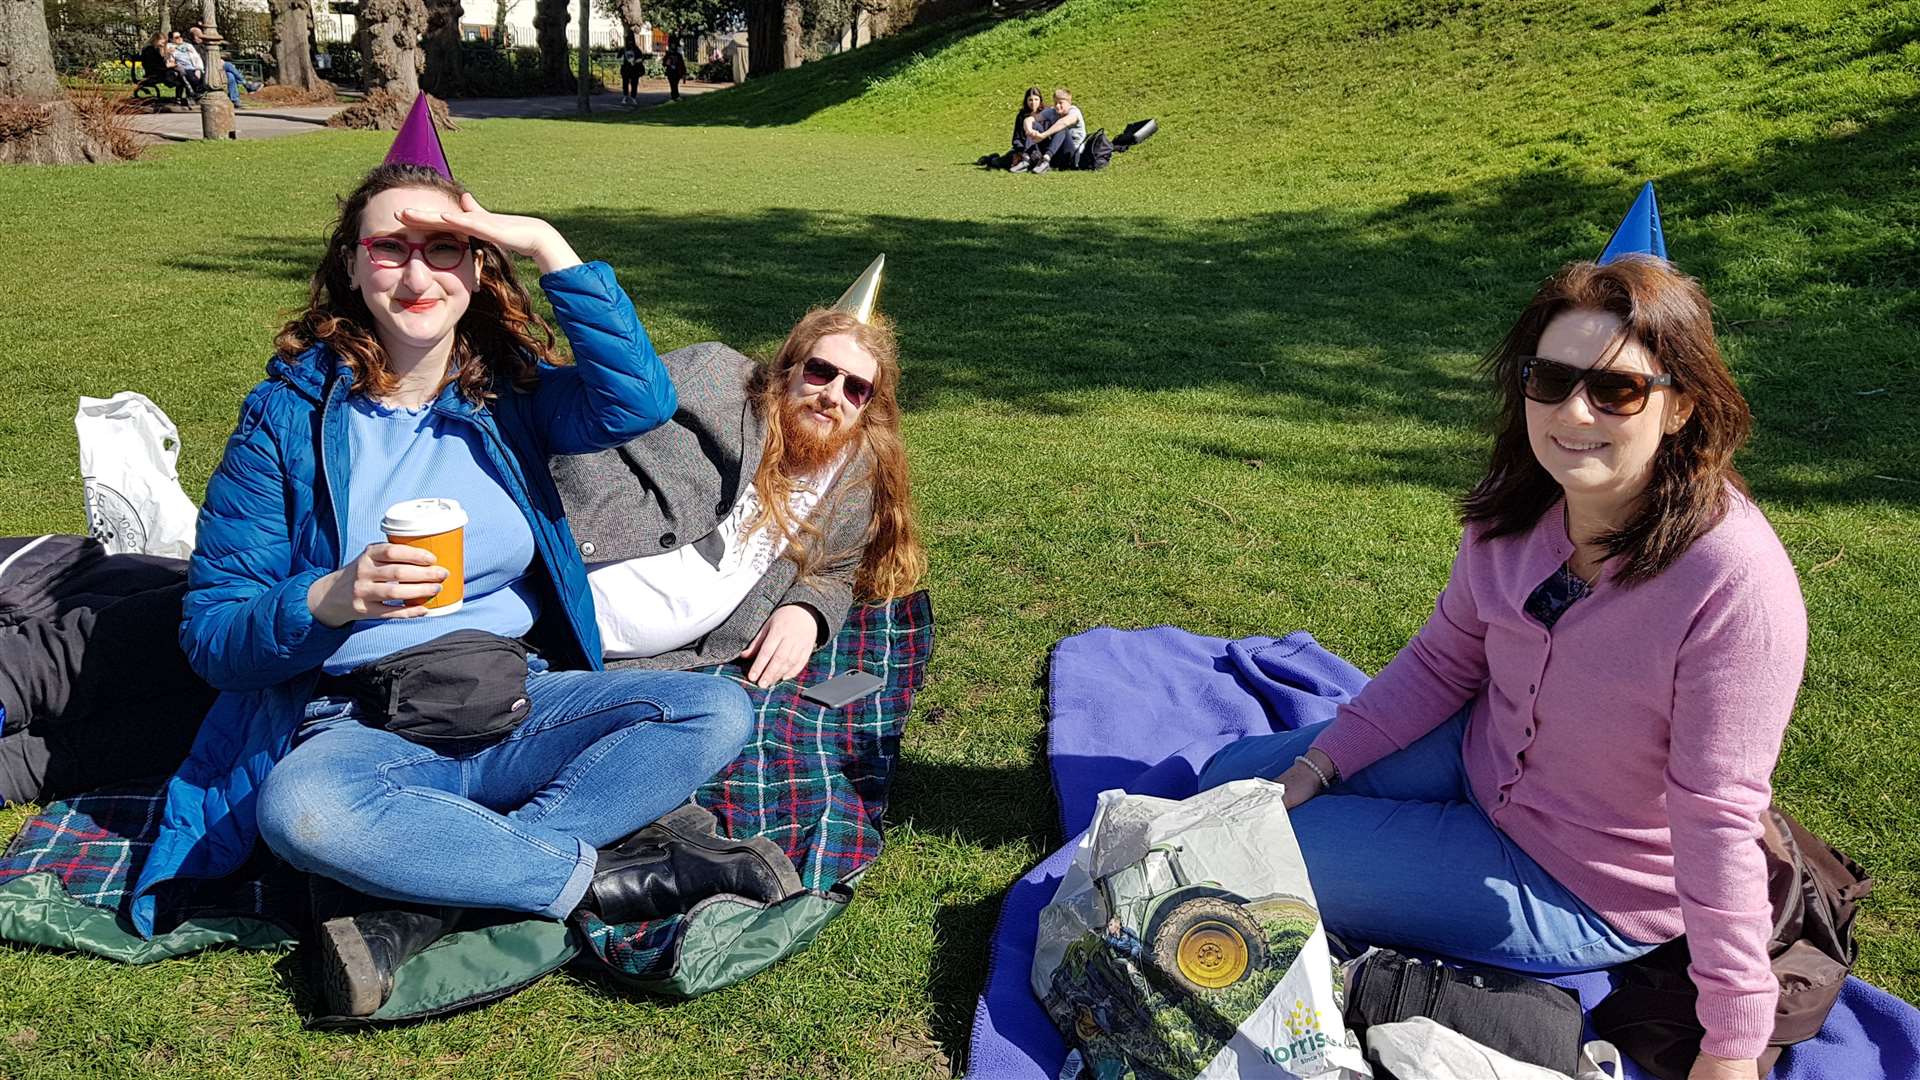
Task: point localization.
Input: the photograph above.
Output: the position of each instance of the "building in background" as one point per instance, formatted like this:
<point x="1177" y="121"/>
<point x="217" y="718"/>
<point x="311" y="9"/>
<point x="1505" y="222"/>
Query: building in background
<point x="335" y="22"/>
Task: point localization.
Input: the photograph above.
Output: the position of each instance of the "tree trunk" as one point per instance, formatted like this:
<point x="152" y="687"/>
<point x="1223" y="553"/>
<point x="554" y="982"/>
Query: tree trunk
<point x="392" y="31"/>
<point x="632" y="14"/>
<point x="292" y="43"/>
<point x="792" y="37"/>
<point x="442" y="46"/>
<point x="766" y="37"/>
<point x="550" y="19"/>
<point x="37" y="125"/>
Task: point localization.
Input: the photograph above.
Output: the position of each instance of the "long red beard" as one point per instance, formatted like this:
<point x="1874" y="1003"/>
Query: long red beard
<point x="804" y="451"/>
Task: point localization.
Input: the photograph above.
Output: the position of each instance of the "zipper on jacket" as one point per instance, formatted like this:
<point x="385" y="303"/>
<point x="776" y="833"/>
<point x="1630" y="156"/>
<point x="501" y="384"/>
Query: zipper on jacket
<point x="327" y="474"/>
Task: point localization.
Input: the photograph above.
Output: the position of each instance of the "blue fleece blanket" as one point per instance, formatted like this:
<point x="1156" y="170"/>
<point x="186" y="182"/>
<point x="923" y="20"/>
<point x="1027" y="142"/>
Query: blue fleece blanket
<point x="1185" y="697"/>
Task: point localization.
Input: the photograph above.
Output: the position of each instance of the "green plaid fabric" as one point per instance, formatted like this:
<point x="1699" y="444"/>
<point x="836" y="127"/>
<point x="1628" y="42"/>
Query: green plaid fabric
<point x="814" y="780"/>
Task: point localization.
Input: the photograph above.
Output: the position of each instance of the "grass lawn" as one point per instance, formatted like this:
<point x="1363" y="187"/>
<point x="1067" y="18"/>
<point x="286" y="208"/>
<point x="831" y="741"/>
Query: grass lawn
<point x="1228" y="384"/>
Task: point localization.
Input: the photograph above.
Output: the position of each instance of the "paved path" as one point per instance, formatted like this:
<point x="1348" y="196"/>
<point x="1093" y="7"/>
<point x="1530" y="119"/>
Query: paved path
<point x="272" y="122"/>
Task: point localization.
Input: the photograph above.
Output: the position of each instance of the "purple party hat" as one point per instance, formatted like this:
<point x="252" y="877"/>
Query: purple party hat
<point x="1639" y="232"/>
<point x="418" y="143"/>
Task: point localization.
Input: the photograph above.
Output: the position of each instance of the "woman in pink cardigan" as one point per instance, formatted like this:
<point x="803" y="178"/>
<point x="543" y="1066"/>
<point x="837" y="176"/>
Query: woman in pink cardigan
<point x="1567" y="765"/>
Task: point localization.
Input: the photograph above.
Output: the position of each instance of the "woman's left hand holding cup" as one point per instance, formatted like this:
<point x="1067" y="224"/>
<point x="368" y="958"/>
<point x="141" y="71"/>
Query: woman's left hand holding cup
<point x="529" y="236"/>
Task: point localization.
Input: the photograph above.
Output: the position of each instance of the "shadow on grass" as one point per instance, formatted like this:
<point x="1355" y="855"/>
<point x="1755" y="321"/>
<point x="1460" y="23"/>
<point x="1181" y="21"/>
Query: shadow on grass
<point x="1360" y="318"/>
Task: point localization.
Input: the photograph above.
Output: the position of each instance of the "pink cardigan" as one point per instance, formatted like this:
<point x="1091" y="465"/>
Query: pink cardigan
<point x="1630" y="750"/>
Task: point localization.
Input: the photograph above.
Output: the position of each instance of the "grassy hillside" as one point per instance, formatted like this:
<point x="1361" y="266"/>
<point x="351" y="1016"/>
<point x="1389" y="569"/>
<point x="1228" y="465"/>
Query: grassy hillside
<point x="1227" y="384"/>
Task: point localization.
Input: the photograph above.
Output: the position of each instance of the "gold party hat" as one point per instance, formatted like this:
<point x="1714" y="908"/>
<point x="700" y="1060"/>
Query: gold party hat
<point x="859" y="298"/>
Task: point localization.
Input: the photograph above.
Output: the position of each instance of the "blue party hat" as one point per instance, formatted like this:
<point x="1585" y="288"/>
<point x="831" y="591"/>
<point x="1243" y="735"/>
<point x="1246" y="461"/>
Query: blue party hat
<point x="1639" y="232"/>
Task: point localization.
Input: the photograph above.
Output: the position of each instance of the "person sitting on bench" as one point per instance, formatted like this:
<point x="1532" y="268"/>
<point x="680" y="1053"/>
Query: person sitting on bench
<point x="153" y="68"/>
<point x="188" y="66"/>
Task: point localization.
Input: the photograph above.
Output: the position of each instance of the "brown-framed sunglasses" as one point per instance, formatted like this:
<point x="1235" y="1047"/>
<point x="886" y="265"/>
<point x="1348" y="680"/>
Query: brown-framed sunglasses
<point x="1616" y="393"/>
<point x="818" y="372"/>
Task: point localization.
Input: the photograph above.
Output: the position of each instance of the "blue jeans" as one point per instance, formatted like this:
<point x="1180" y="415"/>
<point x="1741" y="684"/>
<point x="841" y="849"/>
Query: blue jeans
<point x="233" y="83"/>
<point x="517" y="824"/>
<point x="1400" y="854"/>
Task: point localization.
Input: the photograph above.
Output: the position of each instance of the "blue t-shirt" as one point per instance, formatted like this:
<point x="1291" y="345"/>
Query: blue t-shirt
<point x="401" y="454"/>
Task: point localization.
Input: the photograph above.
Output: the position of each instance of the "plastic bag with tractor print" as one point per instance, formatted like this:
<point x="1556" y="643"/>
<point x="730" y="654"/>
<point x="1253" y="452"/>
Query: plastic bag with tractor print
<point x="1184" y="942"/>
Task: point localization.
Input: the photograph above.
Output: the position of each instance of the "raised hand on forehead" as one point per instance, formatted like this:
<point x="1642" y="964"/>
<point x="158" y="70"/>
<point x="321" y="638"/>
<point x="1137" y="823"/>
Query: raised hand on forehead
<point x="522" y="235"/>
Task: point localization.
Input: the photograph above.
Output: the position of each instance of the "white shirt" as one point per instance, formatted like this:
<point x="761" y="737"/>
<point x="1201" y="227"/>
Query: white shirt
<point x="658" y="603"/>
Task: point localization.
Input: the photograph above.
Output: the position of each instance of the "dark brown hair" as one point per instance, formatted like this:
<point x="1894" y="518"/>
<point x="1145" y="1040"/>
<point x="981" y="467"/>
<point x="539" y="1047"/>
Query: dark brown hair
<point x="494" y="342"/>
<point x="893" y="561"/>
<point x="1667" y="314"/>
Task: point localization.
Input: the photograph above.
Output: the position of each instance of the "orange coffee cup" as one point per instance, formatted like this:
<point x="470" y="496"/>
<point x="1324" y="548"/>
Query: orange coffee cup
<point x="439" y="526"/>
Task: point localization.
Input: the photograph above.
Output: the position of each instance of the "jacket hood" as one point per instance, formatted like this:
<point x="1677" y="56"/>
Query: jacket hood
<point x="309" y="370"/>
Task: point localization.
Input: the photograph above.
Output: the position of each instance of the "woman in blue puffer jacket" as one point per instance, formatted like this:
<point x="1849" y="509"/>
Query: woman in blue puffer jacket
<point x="414" y="372"/>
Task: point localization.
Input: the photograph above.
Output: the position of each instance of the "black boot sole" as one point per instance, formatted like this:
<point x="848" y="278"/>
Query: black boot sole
<point x="349" y="981"/>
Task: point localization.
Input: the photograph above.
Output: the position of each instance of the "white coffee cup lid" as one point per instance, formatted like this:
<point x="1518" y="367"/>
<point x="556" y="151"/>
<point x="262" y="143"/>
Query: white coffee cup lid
<point x="423" y="517"/>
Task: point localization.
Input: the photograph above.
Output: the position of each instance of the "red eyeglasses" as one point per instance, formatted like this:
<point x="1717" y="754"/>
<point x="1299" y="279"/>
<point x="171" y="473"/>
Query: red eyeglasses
<point x="818" y="372"/>
<point x="439" y="252"/>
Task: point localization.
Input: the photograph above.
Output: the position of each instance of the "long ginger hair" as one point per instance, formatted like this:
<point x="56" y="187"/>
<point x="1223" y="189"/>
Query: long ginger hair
<point x="1664" y="311"/>
<point x="499" y="339"/>
<point x="892" y="560"/>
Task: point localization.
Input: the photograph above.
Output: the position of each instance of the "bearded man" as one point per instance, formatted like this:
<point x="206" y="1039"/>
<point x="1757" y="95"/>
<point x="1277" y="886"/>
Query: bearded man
<point x="747" y="526"/>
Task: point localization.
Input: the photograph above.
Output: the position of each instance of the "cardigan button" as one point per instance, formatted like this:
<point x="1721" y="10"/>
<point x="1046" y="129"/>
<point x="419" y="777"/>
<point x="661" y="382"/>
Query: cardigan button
<point x="667" y="540"/>
<point x="587" y="548"/>
<point x="1532" y="689"/>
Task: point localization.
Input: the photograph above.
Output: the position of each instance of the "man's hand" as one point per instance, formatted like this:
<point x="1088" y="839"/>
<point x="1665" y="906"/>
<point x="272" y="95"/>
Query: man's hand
<point x="1708" y="1067"/>
<point x="362" y="588"/>
<point x="782" y="646"/>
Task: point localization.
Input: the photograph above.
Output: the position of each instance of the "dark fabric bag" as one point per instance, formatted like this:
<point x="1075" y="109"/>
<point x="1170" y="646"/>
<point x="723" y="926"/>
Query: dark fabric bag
<point x="1136" y="133"/>
<point x="455" y="693"/>
<point x="1096" y="153"/>
<point x="48" y="576"/>
<point x="1814" y="891"/>
<point x="1525" y="1019"/>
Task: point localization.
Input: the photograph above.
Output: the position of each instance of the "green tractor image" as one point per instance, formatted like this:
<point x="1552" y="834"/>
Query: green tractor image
<point x="1197" y="934"/>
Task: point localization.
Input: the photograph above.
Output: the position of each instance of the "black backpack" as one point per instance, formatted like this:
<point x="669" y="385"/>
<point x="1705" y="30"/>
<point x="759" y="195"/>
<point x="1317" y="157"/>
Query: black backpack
<point x="1096" y="152"/>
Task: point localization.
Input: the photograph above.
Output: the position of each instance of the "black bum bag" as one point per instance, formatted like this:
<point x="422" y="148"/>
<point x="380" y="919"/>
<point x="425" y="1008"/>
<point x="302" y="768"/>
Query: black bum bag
<point x="456" y="693"/>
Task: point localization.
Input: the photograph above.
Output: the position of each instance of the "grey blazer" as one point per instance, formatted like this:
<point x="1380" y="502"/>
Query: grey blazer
<point x="670" y="487"/>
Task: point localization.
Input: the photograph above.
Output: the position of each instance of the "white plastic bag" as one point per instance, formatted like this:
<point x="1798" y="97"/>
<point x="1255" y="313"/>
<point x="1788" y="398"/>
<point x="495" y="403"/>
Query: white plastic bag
<point x="128" y="449"/>
<point x="1423" y="1047"/>
<point x="1184" y="941"/>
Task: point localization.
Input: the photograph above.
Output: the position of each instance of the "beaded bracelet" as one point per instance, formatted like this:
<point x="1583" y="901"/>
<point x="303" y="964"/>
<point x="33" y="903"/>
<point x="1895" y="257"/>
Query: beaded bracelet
<point x="1303" y="759"/>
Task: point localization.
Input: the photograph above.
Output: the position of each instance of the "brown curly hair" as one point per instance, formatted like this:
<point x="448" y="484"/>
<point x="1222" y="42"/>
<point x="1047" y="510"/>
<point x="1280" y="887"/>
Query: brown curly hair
<point x="499" y="339"/>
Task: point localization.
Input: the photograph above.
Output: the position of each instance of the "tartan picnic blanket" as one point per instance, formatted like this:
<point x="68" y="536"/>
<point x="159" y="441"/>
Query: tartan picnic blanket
<point x="812" y="779"/>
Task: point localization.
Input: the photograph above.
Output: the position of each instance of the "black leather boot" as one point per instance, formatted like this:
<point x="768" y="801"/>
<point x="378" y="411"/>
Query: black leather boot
<point x="360" y="953"/>
<point x="678" y="861"/>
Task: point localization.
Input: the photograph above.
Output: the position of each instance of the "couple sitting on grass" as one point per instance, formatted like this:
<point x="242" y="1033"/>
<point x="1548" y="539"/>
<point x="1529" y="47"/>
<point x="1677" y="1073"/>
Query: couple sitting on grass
<point x="1046" y="137"/>
<point x="1565" y="768"/>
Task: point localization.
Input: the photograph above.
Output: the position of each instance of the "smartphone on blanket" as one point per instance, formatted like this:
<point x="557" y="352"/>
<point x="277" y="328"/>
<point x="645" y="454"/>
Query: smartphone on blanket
<point x="843" y="689"/>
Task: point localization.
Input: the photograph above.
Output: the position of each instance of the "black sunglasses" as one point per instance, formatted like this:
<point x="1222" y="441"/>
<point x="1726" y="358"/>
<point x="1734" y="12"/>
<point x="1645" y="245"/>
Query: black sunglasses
<point x="1616" y="393"/>
<point x="818" y="372"/>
